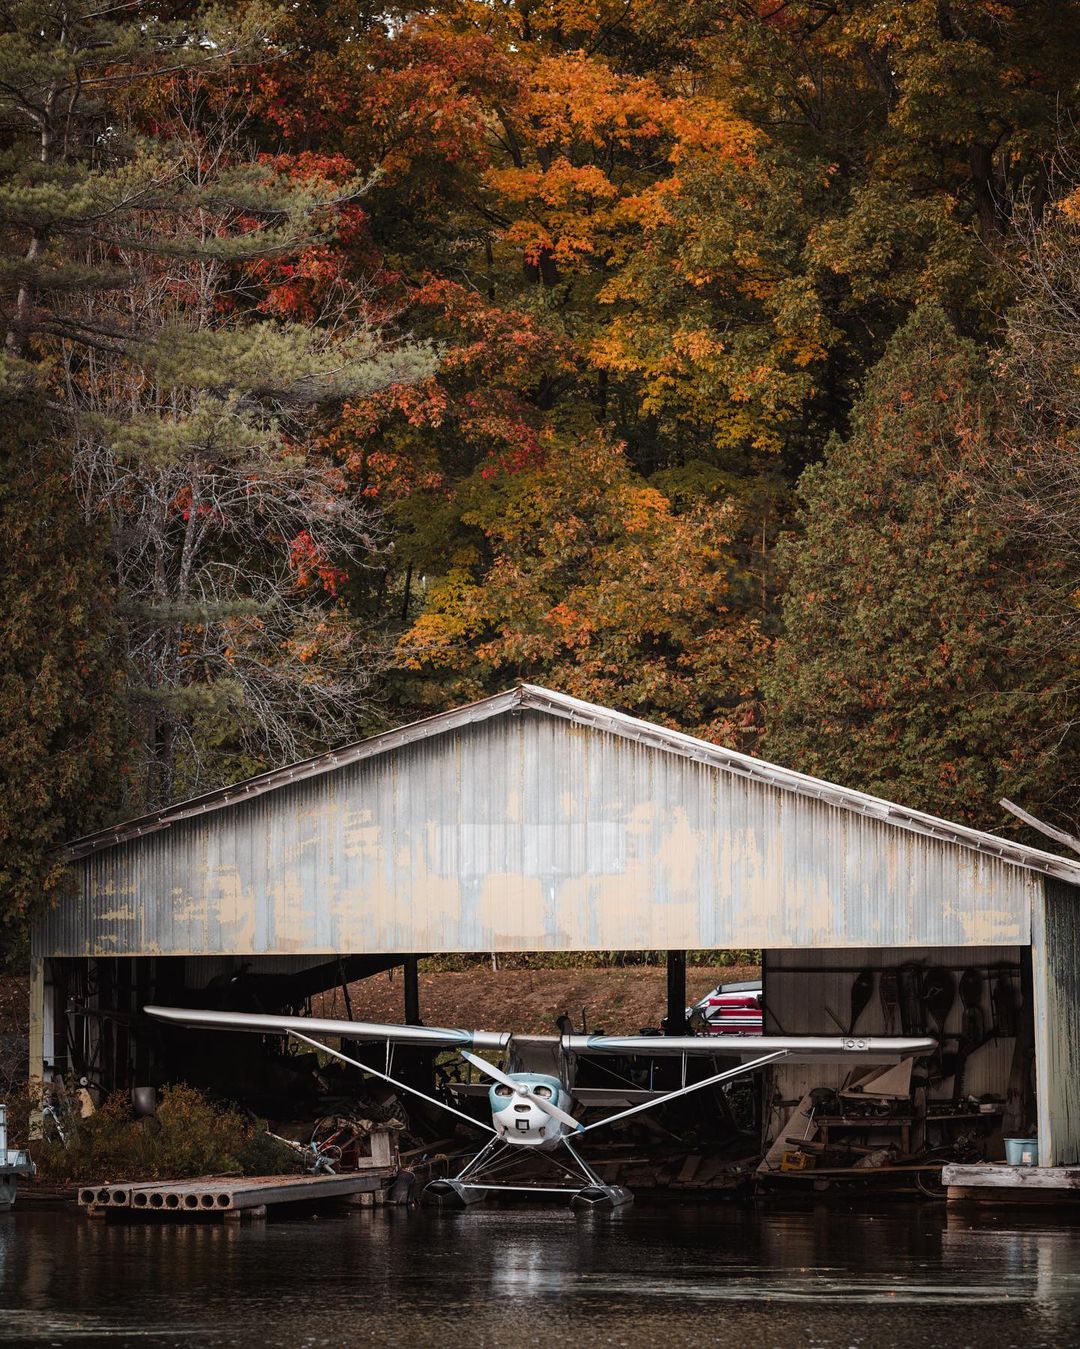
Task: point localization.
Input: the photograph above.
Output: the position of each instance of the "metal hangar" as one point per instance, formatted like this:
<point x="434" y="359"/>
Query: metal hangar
<point x="533" y="821"/>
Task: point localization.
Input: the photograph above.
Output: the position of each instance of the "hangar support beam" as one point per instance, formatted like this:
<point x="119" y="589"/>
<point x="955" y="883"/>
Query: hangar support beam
<point x="1055" y="967"/>
<point x="675" y="1022"/>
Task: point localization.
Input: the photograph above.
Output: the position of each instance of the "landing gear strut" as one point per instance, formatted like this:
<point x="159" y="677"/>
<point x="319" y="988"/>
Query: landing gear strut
<point x="491" y="1171"/>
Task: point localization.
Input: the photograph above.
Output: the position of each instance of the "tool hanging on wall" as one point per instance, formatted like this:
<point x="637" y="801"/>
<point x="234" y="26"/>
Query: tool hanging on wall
<point x="938" y="996"/>
<point x="973" y="1026"/>
<point x="938" y="993"/>
<point x="862" y="990"/>
<point x="1004" y="1004"/>
<point x="912" y="1018"/>
<point x="889" y="993"/>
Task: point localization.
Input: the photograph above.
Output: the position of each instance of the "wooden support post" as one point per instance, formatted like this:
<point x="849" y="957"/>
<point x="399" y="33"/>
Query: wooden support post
<point x="1019" y="1106"/>
<point x="37" y="1045"/>
<point x="1055" y="959"/>
<point x="675" y="1022"/>
<point x="383" y="1148"/>
<point x="412" y="992"/>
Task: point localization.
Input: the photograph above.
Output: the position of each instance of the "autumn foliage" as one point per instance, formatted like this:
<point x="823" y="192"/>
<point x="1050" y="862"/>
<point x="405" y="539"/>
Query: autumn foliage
<point x="912" y="615"/>
<point x="513" y="329"/>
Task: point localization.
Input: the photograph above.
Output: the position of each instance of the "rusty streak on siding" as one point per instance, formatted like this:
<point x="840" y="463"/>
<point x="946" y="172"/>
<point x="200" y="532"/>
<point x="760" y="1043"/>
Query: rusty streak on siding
<point x="532" y="829"/>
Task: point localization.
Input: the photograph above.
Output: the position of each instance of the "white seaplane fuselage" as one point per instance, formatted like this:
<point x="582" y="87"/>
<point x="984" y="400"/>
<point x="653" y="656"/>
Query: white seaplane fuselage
<point x="520" y="1121"/>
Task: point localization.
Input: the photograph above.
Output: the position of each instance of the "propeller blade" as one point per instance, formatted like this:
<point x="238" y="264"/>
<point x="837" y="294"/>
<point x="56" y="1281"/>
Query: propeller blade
<point x="490" y="1069"/>
<point x="522" y="1089"/>
<point x="550" y="1108"/>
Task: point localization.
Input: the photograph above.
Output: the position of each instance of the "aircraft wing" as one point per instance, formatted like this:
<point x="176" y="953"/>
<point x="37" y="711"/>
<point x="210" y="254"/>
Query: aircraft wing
<point x="433" y="1037"/>
<point x="798" y="1048"/>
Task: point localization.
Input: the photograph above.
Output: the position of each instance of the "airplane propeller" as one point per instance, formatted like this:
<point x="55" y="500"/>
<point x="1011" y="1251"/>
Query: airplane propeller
<point x="522" y="1089"/>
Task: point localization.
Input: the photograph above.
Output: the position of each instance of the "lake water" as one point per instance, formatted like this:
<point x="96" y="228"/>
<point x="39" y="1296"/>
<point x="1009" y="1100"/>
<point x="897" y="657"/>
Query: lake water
<point x="649" y="1276"/>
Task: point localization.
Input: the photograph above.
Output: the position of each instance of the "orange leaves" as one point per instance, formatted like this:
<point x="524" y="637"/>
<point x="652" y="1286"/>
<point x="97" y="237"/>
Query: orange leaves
<point x="415" y="439"/>
<point x="487" y="339"/>
<point x="706" y="128"/>
<point x="592" y="159"/>
<point x="401" y="98"/>
<point x="430" y="96"/>
<point x="562" y="184"/>
<point x="1069" y="206"/>
<point x="596" y="585"/>
<point x="650" y="209"/>
<point x="566" y="209"/>
<point x="573" y="101"/>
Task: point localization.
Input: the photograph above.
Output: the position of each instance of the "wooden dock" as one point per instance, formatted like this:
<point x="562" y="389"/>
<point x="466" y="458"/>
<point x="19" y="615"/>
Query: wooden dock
<point x="910" y="1178"/>
<point x="227" y="1196"/>
<point x="999" y="1183"/>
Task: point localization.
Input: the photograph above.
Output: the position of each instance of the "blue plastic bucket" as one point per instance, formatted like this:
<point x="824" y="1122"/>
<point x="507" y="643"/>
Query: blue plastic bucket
<point x="1022" y="1151"/>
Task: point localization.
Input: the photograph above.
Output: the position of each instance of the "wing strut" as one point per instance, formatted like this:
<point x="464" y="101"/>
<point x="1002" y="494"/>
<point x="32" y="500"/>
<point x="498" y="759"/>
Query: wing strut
<point x="431" y="1100"/>
<point x="685" y="1091"/>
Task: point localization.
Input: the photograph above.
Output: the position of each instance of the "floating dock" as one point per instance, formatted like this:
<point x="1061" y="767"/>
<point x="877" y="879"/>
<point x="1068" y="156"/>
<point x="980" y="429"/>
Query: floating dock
<point x="226" y="1196"/>
<point x="999" y="1183"/>
<point x="910" y="1178"/>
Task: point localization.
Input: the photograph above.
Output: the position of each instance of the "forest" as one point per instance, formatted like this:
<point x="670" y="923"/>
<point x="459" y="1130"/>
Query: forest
<point x="716" y="361"/>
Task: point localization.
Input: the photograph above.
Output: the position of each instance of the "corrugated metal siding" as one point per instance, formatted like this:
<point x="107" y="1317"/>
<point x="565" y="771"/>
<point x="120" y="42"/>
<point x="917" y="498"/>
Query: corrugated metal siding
<point x="796" y="1002"/>
<point x="1055" y="963"/>
<point x="528" y="832"/>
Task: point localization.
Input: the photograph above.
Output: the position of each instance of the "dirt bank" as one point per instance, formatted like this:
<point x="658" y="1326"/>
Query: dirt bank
<point x="619" y="1001"/>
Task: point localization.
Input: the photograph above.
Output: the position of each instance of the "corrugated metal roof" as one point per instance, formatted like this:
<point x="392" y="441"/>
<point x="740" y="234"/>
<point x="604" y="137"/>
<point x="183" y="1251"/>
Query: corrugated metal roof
<point x="605" y="719"/>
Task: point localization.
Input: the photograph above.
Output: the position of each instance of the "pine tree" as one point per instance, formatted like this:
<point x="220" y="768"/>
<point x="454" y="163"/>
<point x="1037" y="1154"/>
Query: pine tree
<point x="60" y="746"/>
<point x="906" y="667"/>
<point x="141" y="226"/>
<point x="73" y="172"/>
<point x="1033" y="489"/>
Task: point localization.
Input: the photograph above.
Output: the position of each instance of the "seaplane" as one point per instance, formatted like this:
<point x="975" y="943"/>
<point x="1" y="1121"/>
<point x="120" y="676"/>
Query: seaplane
<point x="532" y="1094"/>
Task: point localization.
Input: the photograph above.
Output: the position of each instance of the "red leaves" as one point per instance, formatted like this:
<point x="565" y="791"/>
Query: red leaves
<point x="312" y="568"/>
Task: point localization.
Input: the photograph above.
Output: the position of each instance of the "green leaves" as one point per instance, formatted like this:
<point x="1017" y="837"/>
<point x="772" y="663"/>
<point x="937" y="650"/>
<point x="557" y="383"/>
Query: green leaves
<point x="61" y="745"/>
<point x="594" y="585"/>
<point x="905" y="668"/>
<point x="279" y="363"/>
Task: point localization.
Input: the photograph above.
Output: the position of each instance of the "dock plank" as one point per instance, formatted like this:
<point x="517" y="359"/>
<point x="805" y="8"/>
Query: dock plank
<point x="999" y="1175"/>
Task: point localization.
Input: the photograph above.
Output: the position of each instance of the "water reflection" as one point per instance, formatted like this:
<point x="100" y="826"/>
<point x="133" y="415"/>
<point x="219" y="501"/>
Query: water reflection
<point x="648" y="1276"/>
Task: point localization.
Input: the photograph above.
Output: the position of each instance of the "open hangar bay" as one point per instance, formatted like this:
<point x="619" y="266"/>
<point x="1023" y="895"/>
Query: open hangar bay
<point x="532" y="821"/>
